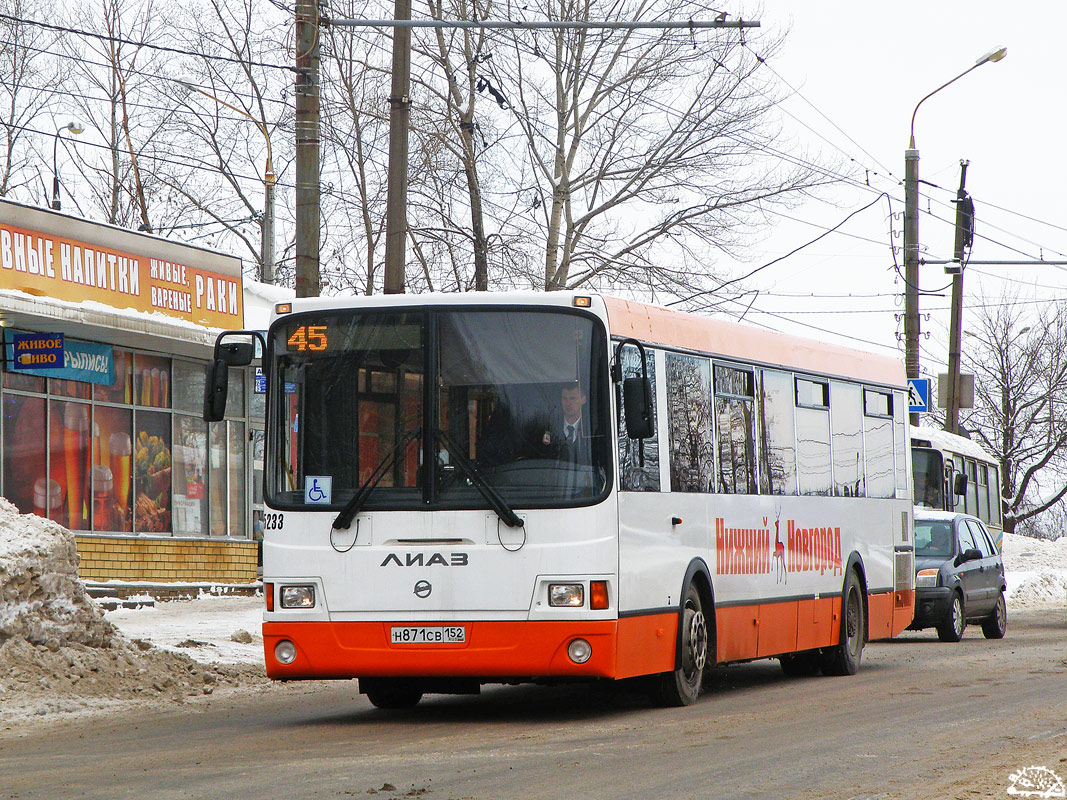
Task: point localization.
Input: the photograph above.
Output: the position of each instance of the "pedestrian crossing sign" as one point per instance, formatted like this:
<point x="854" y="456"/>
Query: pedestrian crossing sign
<point x="918" y="395"/>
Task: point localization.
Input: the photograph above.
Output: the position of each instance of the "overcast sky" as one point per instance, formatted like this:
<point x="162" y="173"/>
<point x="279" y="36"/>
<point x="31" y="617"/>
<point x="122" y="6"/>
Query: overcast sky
<point x="859" y="70"/>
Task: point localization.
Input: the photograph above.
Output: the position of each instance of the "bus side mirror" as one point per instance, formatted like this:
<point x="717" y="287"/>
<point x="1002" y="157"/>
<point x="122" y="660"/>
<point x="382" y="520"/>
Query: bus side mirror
<point x="959" y="484"/>
<point x="637" y="405"/>
<point x="228" y="354"/>
<point x="216" y="389"/>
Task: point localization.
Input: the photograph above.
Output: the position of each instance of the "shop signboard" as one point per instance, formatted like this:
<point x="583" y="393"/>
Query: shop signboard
<point x="30" y="351"/>
<point x="49" y="262"/>
<point x="88" y="362"/>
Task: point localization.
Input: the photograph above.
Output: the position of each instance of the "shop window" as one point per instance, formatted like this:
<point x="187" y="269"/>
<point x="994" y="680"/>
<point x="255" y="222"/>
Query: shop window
<point x="27" y="483"/>
<point x="112" y="472"/>
<point x="217" y="478"/>
<point x="189" y="509"/>
<point x="236" y="464"/>
<point x="692" y="449"/>
<point x="257" y="400"/>
<point x="70" y="449"/>
<point x="189" y="382"/>
<point x="24" y="383"/>
<point x="121" y="391"/>
<point x="235" y="393"/>
<point x="151" y="381"/>
<point x="61" y="387"/>
<point x="152" y="475"/>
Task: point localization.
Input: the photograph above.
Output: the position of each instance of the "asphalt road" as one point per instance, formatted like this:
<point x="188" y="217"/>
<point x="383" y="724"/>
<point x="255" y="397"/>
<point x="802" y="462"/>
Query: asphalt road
<point x="921" y="720"/>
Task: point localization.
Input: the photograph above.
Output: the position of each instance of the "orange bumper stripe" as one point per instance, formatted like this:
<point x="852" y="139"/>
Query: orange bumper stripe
<point x="492" y="650"/>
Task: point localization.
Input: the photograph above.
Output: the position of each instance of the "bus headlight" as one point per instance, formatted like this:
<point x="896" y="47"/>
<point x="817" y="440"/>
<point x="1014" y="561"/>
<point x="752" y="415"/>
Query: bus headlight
<point x="566" y="595"/>
<point x="285" y="652"/>
<point x="579" y="651"/>
<point x="298" y="596"/>
<point x="926" y="578"/>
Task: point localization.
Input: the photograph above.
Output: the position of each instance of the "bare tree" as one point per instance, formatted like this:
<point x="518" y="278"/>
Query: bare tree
<point x="642" y="148"/>
<point x="223" y="145"/>
<point x="28" y="80"/>
<point x="355" y="88"/>
<point x="1020" y="413"/>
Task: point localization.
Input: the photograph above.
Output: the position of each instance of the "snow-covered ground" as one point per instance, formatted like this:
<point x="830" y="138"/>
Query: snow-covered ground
<point x="223" y="629"/>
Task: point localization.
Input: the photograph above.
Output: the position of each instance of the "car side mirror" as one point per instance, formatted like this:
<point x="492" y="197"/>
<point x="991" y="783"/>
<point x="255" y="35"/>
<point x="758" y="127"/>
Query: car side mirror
<point x="970" y="554"/>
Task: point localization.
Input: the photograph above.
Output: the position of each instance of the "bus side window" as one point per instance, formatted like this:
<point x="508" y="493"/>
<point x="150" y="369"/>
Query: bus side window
<point x="813" y="436"/>
<point x="777" y="442"/>
<point x="633" y="475"/>
<point x="846" y="439"/>
<point x="735" y="428"/>
<point x="692" y="448"/>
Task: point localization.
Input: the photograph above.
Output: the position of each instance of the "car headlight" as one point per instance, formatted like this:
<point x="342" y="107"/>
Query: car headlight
<point x="926" y="578"/>
<point x="298" y="596"/>
<point x="566" y="595"/>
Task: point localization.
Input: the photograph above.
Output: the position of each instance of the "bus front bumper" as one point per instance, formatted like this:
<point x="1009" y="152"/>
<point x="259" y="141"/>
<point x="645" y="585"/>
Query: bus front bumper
<point x="491" y="650"/>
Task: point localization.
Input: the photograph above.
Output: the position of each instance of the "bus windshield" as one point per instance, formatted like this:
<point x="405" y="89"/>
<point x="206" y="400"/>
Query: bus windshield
<point x="928" y="471"/>
<point x="516" y="401"/>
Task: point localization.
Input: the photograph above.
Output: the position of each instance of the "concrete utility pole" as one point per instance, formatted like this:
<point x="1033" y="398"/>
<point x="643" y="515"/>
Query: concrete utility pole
<point x="396" y="204"/>
<point x="911" y="230"/>
<point x="396" y="227"/>
<point x="308" y="22"/>
<point x="964" y="230"/>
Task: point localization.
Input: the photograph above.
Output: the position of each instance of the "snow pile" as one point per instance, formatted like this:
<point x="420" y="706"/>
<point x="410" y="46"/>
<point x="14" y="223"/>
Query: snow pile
<point x="1036" y="570"/>
<point x="58" y="652"/>
<point x="44" y="601"/>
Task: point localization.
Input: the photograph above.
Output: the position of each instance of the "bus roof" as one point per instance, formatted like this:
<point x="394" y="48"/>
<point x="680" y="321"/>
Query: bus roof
<point x="688" y="331"/>
<point x="943" y="440"/>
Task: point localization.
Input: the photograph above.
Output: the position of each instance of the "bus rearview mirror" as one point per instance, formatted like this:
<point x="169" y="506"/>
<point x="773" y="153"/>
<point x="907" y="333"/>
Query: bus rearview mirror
<point x="959" y="484"/>
<point x="215" y="390"/>
<point x="637" y="405"/>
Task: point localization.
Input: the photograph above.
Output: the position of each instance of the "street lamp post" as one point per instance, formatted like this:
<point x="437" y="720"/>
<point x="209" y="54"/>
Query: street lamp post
<point x="267" y="229"/>
<point x="76" y="128"/>
<point x="911" y="229"/>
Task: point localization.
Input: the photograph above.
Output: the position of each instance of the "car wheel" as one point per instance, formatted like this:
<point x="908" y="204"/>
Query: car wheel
<point x="681" y="687"/>
<point x="390" y="693"/>
<point x="996" y="624"/>
<point x="951" y="628"/>
<point x="801" y="665"/>
<point x="844" y="658"/>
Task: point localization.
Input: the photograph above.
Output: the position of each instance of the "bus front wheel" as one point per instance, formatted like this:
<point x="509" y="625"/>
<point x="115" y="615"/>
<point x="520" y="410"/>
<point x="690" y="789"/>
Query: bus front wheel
<point x="681" y="687"/>
<point x="390" y="693"/>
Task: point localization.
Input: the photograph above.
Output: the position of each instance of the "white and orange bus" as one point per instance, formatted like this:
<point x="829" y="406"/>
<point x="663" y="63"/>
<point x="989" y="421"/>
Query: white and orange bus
<point x="474" y="488"/>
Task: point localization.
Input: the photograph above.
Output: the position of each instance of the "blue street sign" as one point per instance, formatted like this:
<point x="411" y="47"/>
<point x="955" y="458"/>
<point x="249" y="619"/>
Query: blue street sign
<point x="918" y="395"/>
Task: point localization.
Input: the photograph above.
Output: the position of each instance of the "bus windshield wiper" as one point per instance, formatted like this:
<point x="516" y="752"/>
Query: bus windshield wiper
<point x="359" y="499"/>
<point x="498" y="503"/>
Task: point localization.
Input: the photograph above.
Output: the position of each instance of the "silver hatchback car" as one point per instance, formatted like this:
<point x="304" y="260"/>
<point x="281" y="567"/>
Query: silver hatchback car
<point x="959" y="576"/>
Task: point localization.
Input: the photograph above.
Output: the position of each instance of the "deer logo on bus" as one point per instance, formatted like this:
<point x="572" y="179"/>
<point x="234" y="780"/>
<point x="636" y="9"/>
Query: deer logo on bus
<point x="781" y="573"/>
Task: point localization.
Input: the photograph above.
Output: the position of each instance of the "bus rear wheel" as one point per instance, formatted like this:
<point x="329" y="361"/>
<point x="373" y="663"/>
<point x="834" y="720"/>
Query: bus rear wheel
<point x="681" y="687"/>
<point x="844" y="657"/>
<point x="391" y="693"/>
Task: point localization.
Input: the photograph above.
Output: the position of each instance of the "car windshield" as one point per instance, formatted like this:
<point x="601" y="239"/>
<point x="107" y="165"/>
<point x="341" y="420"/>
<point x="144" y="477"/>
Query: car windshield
<point x="509" y="404"/>
<point x="933" y="538"/>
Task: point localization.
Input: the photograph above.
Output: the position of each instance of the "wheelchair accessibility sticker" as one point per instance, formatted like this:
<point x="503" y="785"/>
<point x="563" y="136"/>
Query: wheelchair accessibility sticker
<point x="318" y="490"/>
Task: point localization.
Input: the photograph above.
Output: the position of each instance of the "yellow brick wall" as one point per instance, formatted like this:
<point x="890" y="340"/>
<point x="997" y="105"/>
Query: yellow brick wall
<point x="134" y="558"/>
